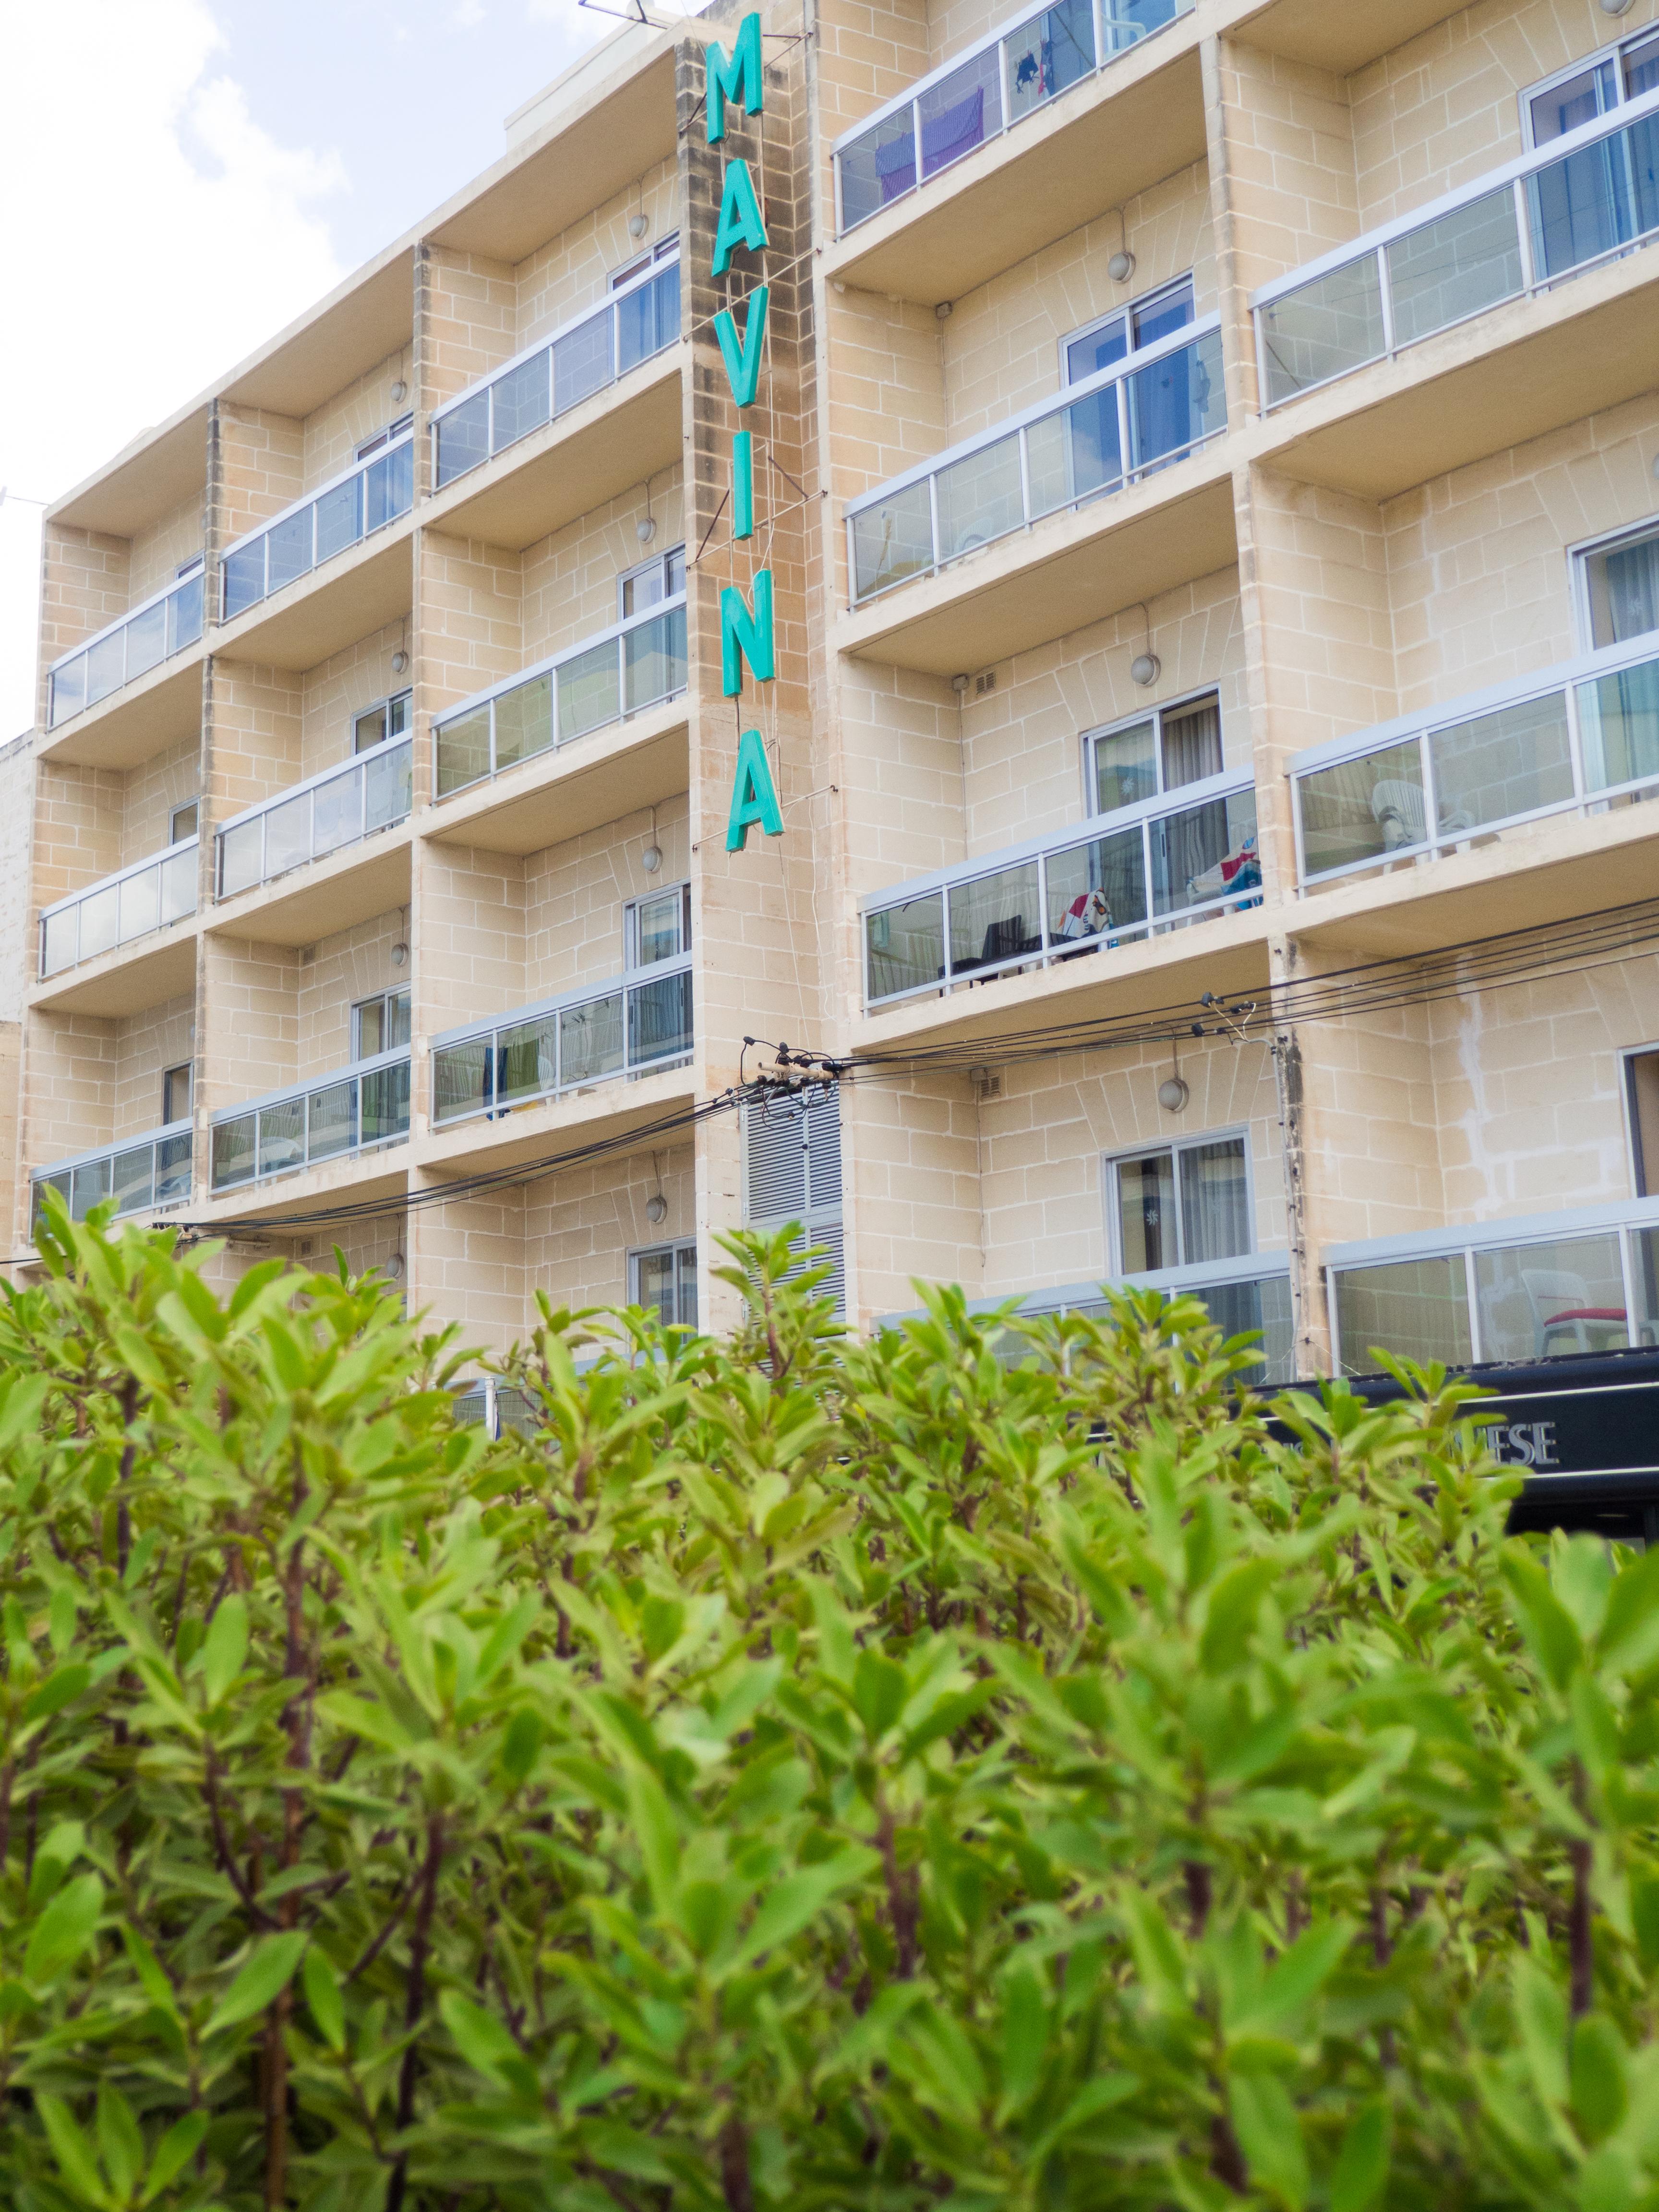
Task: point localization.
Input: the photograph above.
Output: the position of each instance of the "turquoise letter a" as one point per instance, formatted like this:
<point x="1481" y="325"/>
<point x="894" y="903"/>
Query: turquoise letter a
<point x="754" y="794"/>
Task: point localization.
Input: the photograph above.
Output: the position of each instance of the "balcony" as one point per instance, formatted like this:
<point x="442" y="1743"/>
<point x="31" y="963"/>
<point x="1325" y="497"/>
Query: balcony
<point x="1582" y="737"/>
<point x="634" y="666"/>
<point x="1067" y="897"/>
<point x="329" y="811"/>
<point x="120" y="909"/>
<point x="1102" y="434"/>
<point x="141" y="1174"/>
<point x="357" y="1109"/>
<point x="639" y="1025"/>
<point x="1002" y="79"/>
<point x="347" y="510"/>
<point x="1540" y="1287"/>
<point x="536" y="387"/>
<point x="118" y="655"/>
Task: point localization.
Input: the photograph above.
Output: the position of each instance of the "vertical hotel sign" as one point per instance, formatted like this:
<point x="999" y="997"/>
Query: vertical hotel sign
<point x="745" y="628"/>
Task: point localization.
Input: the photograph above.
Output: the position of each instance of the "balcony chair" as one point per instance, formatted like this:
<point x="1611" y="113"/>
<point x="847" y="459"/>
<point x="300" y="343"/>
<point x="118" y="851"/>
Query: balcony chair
<point x="1561" y="1309"/>
<point x="1401" y="813"/>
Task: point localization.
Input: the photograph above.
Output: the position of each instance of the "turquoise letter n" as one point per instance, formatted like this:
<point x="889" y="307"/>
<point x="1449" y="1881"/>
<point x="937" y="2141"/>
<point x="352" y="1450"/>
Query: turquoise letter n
<point x="744" y="636"/>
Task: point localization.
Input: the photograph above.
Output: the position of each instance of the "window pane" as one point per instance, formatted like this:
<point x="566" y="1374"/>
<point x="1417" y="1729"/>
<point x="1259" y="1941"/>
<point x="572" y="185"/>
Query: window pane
<point x="183" y="822"/>
<point x="589" y="692"/>
<point x="397" y="1019"/>
<point x="687" y="1259"/>
<point x="282" y="1136"/>
<point x="1571" y="104"/>
<point x="147" y="640"/>
<point x="1101" y="348"/>
<point x="659" y="1019"/>
<point x="1145" y="1213"/>
<point x="388" y="487"/>
<point x="1192" y="744"/>
<point x="979" y="498"/>
<point x="1170" y="310"/>
<point x="1322" y="329"/>
<point x="1215" y="1201"/>
<point x="524" y="722"/>
<point x="1641" y="68"/>
<point x="892" y="541"/>
<point x="522" y="401"/>
<point x="654" y="1274"/>
<point x="1467" y="261"/>
<point x="642" y="327"/>
<point x="1125" y="766"/>
<point x="1053" y="51"/>
<point x="526" y="1065"/>
<point x="995" y="918"/>
<point x="1540" y="1301"/>
<point x="398" y="714"/>
<point x="233" y="1151"/>
<point x="333" y="1121"/>
<point x="336" y="812"/>
<point x="878" y="168"/>
<point x="385" y="1104"/>
<point x="657" y="926"/>
<point x="1096" y="889"/>
<point x="906" y="945"/>
<point x="1177" y="400"/>
<point x="1501" y="764"/>
<point x="463" y="438"/>
<point x="1624" y="592"/>
<point x="960" y="112"/>
<point x="459" y="1079"/>
<point x="1363" y="810"/>
<point x="463" y="750"/>
<point x="1075" y="452"/>
<point x="368" y="730"/>
<point x="591" y="1040"/>
<point x="370" y="1020"/>
<point x="1193" y="856"/>
<point x="1619" y="726"/>
<point x="1414" y="1308"/>
<point x="581" y="362"/>
<point x="141" y="904"/>
<point x="339" y="518"/>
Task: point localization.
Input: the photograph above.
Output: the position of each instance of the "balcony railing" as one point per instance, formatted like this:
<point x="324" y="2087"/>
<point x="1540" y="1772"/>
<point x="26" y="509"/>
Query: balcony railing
<point x="126" y="650"/>
<point x="140" y="1174"/>
<point x="1248" y="1295"/>
<point x="634" y="665"/>
<point x="1096" y="436"/>
<point x="1128" y="874"/>
<point x="352" y="1110"/>
<point x="314" y="529"/>
<point x="335" y="809"/>
<point x="637" y="1026"/>
<point x="536" y="386"/>
<point x="120" y="910"/>
<point x="1584" y="198"/>
<point x="1533" y="1288"/>
<point x="1584" y="734"/>
<point x="1000" y="80"/>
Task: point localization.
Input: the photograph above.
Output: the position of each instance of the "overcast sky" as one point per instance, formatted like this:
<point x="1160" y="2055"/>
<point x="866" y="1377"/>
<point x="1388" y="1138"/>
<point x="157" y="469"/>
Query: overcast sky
<point x="180" y="177"/>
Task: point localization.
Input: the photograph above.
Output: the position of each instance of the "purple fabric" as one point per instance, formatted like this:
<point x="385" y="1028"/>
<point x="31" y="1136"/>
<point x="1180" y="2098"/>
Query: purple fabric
<point x="895" y="165"/>
<point x="947" y="136"/>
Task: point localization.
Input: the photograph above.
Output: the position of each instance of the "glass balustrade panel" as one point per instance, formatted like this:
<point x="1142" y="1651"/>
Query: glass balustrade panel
<point x="1176" y="401"/>
<point x="132" y="1178"/>
<point x="1322" y="329"/>
<point x="141" y="904"/>
<point x="282" y="1137"/>
<point x="460" y="1076"/>
<point x="591" y="1040"/>
<point x="90" y="1187"/>
<point x="1645" y="1281"/>
<point x="147" y="640"/>
<point x="523" y="401"/>
<point x="960" y="112"/>
<point x="63" y="1184"/>
<point x="1097" y="891"/>
<point x="179" y="873"/>
<point x="388" y="786"/>
<point x="244" y="578"/>
<point x="1453" y="268"/>
<point x="581" y="362"/>
<point x="288" y="834"/>
<point x="527" y="1060"/>
<point x="654" y="659"/>
<point x="337" y="812"/>
<point x="1363" y="810"/>
<point x="979" y="498"/>
<point x="892" y="540"/>
<point x="234" y="1151"/>
<point x="332" y="1120"/>
<point x="524" y="722"/>
<point x="589" y="691"/>
<point x="905" y="946"/>
<point x="463" y="438"/>
<point x="69" y="689"/>
<point x="59" y="941"/>
<point x="463" y="751"/>
<point x="107" y="666"/>
<point x="385" y="1104"/>
<point x="1206" y="852"/>
<point x="647" y="320"/>
<point x="172" y="1169"/>
<point x="1414" y="1308"/>
<point x="995" y="918"/>
<point x="289" y="549"/>
<point x="1512" y="762"/>
<point x="1581" y="207"/>
<point x="1619" y="726"/>
<point x="184" y="616"/>
<point x="241" y="857"/>
<point x="1540" y="1301"/>
<point x="339" y="518"/>
<point x="1075" y="452"/>
<point x="1047" y="54"/>
<point x="388" y="487"/>
<point x="659" y="1019"/>
<point x="877" y="168"/>
<point x="100" y="922"/>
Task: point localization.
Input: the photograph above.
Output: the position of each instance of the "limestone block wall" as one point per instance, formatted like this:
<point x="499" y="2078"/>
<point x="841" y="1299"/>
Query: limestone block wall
<point x="570" y="578"/>
<point x="334" y="430"/>
<point x="574" y="894"/>
<point x="580" y="1225"/>
<point x="334" y="973"/>
<point x="261" y="467"/>
<point x="572" y="272"/>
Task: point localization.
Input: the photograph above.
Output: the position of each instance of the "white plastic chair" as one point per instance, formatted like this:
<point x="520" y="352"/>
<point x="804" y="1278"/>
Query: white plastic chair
<point x="1559" y="1302"/>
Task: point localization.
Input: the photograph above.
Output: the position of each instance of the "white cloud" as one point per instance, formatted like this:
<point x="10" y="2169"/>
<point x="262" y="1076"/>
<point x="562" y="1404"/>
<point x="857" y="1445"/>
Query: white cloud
<point x="157" y="235"/>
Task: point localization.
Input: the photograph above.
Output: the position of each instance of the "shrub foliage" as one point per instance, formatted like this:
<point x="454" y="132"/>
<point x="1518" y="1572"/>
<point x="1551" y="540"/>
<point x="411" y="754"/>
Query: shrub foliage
<point x="802" y="1774"/>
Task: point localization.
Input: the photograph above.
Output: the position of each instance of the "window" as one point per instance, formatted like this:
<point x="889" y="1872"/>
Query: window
<point x="1642" y="1102"/>
<point x="1589" y="88"/>
<point x="182" y="821"/>
<point x="190" y="568"/>
<point x="1157" y="752"/>
<point x="386" y="718"/>
<point x="176" y="1093"/>
<point x="651" y="583"/>
<point x="1618" y="586"/>
<point x="792" y="1172"/>
<point x="658" y="927"/>
<point x="1177" y="1205"/>
<point x="1115" y="337"/>
<point x="384" y="438"/>
<point x="629" y="269"/>
<point x="666" y="1276"/>
<point x="379" y="1024"/>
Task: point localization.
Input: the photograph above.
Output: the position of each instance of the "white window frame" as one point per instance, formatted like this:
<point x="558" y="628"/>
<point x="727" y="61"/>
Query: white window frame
<point x="1156" y="712"/>
<point x="677" y="1245"/>
<point x="631" y="962"/>
<point x="1110" y="1164"/>
<point x="175" y="835"/>
<point x="193" y="567"/>
<point x="383" y="1000"/>
<point x="1614" y="53"/>
<point x="1129" y="310"/>
<point x="658" y="561"/>
<point x="187" y="1069"/>
<point x="384" y="436"/>
<point x="1627" y="1054"/>
<point x="646" y="258"/>
<point x="1579" y="557"/>
<point x="405" y="698"/>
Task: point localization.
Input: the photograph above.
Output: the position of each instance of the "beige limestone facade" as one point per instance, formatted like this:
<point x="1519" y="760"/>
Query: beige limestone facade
<point x="1206" y="457"/>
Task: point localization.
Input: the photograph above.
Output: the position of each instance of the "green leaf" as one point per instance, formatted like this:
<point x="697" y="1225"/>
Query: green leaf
<point x="224" y="1654"/>
<point x="522" y="1742"/>
<point x="1230" y="1621"/>
<point x="147" y="1967"/>
<point x="1541" y="2016"/>
<point x="659" y="1835"/>
<point x="1024" y="2038"/>
<point x="485" y="2044"/>
<point x="58" y="1853"/>
<point x="73" y="2152"/>
<point x="1600" y="2077"/>
<point x="120" y="2144"/>
<point x="323" y="1995"/>
<point x="1296" y="1978"/>
<point x="1361" y="2173"/>
<point x="1546" y="1623"/>
<point x="789" y="1906"/>
<point x="879" y="1693"/>
<point x="1264" y="2122"/>
<point x="61" y="1687"/>
<point x="173" y="2153"/>
<point x="64" y="1930"/>
<point x="260" y="1982"/>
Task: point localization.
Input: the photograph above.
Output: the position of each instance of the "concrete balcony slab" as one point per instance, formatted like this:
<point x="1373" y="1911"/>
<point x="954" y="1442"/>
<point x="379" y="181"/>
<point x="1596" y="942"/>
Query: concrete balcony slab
<point x="559" y="794"/>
